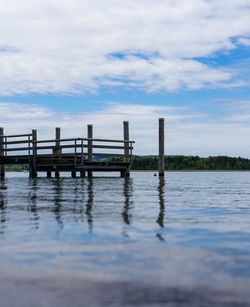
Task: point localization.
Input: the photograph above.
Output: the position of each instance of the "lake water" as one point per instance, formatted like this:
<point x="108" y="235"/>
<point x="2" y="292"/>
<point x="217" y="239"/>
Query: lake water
<point x="182" y="240"/>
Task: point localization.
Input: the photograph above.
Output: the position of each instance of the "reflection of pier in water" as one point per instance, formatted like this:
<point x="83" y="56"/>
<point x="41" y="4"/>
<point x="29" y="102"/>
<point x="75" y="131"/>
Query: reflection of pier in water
<point x="89" y="204"/>
<point x="160" y="219"/>
<point x="73" y="201"/>
<point x="3" y="204"/>
<point x="57" y="202"/>
<point x="126" y="214"/>
<point x="32" y="204"/>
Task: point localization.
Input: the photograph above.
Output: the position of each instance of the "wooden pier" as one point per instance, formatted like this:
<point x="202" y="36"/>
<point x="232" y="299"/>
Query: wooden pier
<point x="75" y="155"/>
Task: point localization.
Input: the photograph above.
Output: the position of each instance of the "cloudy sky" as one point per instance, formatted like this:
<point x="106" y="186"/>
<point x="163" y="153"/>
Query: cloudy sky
<point x="78" y="62"/>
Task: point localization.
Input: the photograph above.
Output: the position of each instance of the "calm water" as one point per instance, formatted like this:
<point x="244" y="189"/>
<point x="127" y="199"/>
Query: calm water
<point x="110" y="241"/>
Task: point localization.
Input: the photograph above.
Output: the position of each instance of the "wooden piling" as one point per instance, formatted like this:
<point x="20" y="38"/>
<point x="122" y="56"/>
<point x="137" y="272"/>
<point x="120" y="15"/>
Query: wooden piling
<point x="73" y="174"/>
<point x="90" y="148"/>
<point x="2" y="170"/>
<point x="126" y="146"/>
<point x="161" y="162"/>
<point x="123" y="173"/>
<point x="48" y="174"/>
<point x="33" y="171"/>
<point x="57" y="149"/>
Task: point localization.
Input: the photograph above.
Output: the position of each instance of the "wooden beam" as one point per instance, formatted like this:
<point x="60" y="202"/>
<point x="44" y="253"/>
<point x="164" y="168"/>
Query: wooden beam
<point x="2" y="170"/>
<point x="161" y="162"/>
<point x="18" y="135"/>
<point x="33" y="172"/>
<point x="57" y="149"/>
<point x="126" y="145"/>
<point x="86" y="139"/>
<point x="90" y="148"/>
<point x="66" y="146"/>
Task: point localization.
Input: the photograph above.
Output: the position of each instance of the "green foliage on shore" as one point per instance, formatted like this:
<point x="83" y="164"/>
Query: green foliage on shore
<point x="191" y="163"/>
<point x="16" y="167"/>
<point x="174" y="163"/>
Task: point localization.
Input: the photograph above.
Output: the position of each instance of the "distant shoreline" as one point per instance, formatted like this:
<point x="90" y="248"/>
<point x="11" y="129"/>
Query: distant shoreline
<point x="188" y="171"/>
<point x="166" y="171"/>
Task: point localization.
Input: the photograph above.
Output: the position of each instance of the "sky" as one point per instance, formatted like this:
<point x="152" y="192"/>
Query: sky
<point x="72" y="63"/>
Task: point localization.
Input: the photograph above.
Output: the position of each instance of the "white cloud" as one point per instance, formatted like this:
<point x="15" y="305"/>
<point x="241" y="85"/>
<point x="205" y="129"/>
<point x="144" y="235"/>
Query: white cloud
<point x="77" y="46"/>
<point x="244" y="41"/>
<point x="187" y="132"/>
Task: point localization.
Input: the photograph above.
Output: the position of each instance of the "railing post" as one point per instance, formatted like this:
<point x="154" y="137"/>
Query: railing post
<point x="2" y="170"/>
<point x="126" y="147"/>
<point x="57" y="149"/>
<point x="33" y="171"/>
<point x="90" y="149"/>
<point x="161" y="162"/>
<point x="82" y="172"/>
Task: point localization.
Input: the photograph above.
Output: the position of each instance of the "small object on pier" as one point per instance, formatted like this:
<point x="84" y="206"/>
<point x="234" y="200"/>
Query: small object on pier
<point x="3" y="188"/>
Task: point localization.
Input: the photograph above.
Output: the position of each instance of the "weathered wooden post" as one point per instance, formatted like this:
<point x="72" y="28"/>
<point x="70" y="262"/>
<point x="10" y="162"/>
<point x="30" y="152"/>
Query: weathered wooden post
<point x="57" y="149"/>
<point x="33" y="172"/>
<point x="161" y="162"/>
<point x="90" y="149"/>
<point x="126" y="147"/>
<point x="2" y="170"/>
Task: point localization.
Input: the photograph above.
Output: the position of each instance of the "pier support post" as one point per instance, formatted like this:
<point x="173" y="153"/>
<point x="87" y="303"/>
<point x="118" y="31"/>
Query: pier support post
<point x="48" y="174"/>
<point x="126" y="147"/>
<point x="90" y="149"/>
<point x="57" y="150"/>
<point x="2" y="170"/>
<point x="73" y="174"/>
<point x="161" y="162"/>
<point x="82" y="174"/>
<point x="33" y="171"/>
<point x="123" y="173"/>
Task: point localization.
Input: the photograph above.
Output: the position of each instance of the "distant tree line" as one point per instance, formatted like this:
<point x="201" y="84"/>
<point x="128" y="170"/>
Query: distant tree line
<point x="174" y="163"/>
<point x="16" y="167"/>
<point x="191" y="163"/>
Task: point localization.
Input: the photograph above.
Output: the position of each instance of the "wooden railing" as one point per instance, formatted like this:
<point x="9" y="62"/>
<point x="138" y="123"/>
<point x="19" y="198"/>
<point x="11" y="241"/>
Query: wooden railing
<point x="86" y="148"/>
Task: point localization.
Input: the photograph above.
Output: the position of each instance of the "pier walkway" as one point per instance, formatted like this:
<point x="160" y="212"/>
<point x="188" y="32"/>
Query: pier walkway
<point x="75" y="155"/>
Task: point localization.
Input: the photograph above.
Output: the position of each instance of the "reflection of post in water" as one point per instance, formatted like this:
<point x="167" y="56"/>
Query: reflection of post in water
<point x="127" y="217"/>
<point x="57" y="200"/>
<point x="3" y="203"/>
<point x="78" y="201"/>
<point x="89" y="204"/>
<point x="127" y="204"/>
<point x="32" y="207"/>
<point x="160" y="219"/>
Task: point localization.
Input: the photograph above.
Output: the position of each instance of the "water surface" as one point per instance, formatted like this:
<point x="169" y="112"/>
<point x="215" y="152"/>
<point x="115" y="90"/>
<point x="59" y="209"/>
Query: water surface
<point x="144" y="240"/>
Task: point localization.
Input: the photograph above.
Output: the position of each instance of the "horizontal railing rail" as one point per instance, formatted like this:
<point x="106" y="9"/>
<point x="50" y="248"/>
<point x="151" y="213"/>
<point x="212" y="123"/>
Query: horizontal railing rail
<point x="17" y="135"/>
<point x="84" y="139"/>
